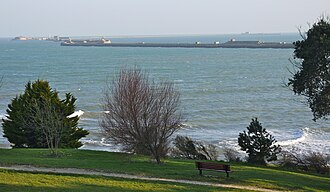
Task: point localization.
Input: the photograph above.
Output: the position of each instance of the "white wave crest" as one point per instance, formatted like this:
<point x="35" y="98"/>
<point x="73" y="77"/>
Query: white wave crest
<point x="185" y="125"/>
<point x="76" y="114"/>
<point x="303" y="136"/>
<point x="99" y="145"/>
<point x="103" y="142"/>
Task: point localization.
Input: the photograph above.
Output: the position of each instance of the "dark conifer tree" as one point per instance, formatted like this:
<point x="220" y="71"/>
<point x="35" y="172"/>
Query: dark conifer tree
<point x="258" y="144"/>
<point x="21" y="126"/>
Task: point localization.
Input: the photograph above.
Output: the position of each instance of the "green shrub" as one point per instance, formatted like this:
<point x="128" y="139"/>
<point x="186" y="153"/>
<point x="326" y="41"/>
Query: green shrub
<point x="23" y="129"/>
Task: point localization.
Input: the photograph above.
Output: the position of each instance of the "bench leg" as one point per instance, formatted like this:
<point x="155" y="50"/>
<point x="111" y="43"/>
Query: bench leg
<point x="227" y="174"/>
<point x="200" y="172"/>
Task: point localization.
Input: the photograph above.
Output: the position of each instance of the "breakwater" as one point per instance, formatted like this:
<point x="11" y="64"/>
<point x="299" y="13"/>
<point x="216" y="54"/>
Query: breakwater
<point x="229" y="44"/>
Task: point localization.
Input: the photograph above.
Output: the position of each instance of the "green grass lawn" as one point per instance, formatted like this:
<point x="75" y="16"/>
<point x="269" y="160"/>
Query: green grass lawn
<point x="265" y="177"/>
<point x="20" y="181"/>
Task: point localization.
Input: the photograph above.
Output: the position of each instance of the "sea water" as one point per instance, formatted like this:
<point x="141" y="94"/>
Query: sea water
<point x="221" y="89"/>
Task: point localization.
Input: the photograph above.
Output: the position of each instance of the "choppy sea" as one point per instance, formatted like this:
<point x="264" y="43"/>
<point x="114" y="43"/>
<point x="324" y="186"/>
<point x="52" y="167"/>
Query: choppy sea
<point x="221" y="89"/>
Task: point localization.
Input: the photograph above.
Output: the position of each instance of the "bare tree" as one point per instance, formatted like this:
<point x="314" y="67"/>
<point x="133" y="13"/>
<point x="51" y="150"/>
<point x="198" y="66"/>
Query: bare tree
<point x="308" y="161"/>
<point x="51" y="123"/>
<point x="186" y="147"/>
<point x="141" y="115"/>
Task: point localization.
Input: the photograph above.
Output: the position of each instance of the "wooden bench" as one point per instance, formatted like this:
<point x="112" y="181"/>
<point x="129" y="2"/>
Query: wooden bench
<point x="213" y="167"/>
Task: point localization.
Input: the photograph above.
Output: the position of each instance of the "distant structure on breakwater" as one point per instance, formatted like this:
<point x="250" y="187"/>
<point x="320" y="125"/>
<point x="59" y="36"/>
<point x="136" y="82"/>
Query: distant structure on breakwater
<point x="54" y="38"/>
<point x="229" y="44"/>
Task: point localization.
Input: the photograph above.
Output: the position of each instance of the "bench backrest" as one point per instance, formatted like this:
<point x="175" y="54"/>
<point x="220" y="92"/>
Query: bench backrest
<point x="214" y="166"/>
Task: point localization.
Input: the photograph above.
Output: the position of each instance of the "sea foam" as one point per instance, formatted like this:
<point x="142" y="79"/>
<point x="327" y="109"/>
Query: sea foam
<point x="301" y="137"/>
<point x="76" y="114"/>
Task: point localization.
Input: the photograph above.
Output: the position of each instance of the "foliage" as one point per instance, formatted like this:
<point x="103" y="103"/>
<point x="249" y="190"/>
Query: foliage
<point x="28" y="116"/>
<point x="185" y="147"/>
<point x="312" y="59"/>
<point x="141" y="115"/>
<point x="258" y="143"/>
<point x="311" y="161"/>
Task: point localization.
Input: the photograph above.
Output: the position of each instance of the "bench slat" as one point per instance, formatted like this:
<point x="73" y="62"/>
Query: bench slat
<point x="217" y="170"/>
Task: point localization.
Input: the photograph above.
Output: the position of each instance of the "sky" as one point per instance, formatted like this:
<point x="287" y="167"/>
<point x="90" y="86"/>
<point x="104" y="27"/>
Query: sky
<point x="156" y="17"/>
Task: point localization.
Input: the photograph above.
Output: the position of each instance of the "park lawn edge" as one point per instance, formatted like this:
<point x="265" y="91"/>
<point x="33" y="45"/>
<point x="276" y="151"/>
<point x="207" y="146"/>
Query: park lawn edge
<point x="37" y="181"/>
<point x="269" y="177"/>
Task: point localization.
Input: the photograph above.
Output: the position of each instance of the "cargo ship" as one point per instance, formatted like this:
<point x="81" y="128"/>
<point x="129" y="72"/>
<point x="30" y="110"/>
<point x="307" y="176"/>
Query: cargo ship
<point x="229" y="44"/>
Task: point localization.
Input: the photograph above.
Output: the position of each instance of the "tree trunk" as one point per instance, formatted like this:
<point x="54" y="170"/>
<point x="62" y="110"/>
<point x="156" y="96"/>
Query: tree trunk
<point x="158" y="159"/>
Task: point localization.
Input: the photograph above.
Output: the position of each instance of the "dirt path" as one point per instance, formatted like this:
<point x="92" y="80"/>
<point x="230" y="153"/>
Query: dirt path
<point x="30" y="168"/>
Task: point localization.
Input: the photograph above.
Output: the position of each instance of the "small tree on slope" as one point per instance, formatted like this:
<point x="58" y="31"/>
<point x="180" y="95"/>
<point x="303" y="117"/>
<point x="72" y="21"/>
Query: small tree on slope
<point x="141" y="115"/>
<point x="258" y="143"/>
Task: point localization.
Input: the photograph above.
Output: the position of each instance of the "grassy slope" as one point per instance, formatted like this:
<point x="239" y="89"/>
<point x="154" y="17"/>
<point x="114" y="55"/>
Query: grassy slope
<point x="19" y="181"/>
<point x="178" y="169"/>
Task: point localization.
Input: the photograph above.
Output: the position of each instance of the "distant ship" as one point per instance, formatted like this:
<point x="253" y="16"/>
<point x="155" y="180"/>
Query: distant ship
<point x="229" y="44"/>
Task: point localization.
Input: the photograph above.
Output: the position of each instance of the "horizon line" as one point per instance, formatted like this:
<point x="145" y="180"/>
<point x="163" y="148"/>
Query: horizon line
<point x="154" y="35"/>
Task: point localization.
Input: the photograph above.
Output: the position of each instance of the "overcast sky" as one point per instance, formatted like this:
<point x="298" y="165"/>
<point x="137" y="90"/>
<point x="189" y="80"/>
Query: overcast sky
<point x="155" y="17"/>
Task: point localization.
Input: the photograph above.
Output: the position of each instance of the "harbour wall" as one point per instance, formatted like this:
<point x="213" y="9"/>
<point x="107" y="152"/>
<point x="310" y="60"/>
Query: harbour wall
<point x="274" y="45"/>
